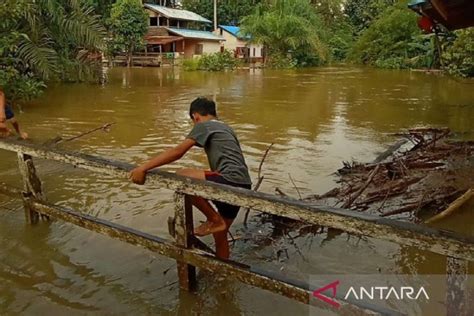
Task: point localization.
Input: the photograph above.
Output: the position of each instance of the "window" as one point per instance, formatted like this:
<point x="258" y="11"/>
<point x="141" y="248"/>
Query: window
<point x="254" y="52"/>
<point x="198" y="49"/>
<point x="153" y="21"/>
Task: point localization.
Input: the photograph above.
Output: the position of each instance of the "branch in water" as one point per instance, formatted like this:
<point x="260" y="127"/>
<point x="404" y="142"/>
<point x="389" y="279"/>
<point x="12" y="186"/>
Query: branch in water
<point x="259" y="179"/>
<point x="59" y="139"/>
<point x="297" y="190"/>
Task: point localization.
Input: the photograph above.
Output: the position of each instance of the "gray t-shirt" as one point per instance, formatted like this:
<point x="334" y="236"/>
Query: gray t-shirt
<point x="222" y="149"/>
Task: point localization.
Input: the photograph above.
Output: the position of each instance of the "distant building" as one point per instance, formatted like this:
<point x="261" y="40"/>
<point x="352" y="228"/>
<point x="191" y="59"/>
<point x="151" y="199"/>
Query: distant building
<point x="180" y="32"/>
<point x="239" y="44"/>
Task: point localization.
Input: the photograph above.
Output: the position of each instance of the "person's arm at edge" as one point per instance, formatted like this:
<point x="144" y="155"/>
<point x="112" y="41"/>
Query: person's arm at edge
<point x="138" y="175"/>
<point x="3" y="118"/>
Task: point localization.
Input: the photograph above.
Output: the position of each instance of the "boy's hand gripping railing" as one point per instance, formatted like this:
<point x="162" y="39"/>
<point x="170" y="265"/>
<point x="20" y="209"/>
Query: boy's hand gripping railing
<point x="458" y="249"/>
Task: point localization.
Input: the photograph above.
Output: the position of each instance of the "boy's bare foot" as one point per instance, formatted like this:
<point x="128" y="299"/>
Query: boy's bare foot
<point x="23" y="135"/>
<point x="208" y="228"/>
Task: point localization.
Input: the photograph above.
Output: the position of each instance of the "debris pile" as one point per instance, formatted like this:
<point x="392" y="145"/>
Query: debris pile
<point x="421" y="175"/>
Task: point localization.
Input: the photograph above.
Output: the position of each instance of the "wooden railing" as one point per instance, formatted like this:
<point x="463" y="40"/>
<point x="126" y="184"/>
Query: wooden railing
<point x="187" y="249"/>
<point x="147" y="59"/>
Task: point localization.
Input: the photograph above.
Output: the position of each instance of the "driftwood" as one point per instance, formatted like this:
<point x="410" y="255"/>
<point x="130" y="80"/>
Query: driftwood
<point x="281" y="193"/>
<point x="408" y="180"/>
<point x="453" y="207"/>
<point x="359" y="192"/>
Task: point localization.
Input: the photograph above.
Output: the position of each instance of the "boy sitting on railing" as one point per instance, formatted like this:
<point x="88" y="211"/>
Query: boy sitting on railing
<point x="6" y="114"/>
<point x="227" y="167"/>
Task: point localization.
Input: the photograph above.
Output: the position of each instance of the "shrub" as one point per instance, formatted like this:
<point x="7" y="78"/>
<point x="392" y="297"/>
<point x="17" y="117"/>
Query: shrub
<point x="191" y="64"/>
<point x="212" y="62"/>
<point x="458" y="57"/>
<point x="394" y="41"/>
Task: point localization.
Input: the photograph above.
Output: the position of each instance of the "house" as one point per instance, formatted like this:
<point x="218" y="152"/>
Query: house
<point x="179" y="32"/>
<point x="241" y="45"/>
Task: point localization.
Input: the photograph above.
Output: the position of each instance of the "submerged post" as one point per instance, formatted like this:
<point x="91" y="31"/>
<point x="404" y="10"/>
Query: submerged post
<point x="32" y="186"/>
<point x="183" y="235"/>
<point x="456" y="289"/>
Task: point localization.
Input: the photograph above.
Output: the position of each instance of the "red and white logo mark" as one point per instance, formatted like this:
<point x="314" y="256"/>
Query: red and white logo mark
<point x="324" y="298"/>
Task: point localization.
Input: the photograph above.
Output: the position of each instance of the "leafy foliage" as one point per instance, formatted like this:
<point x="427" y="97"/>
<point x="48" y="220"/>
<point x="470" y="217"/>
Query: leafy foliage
<point x="362" y="13"/>
<point x="290" y="28"/>
<point x="101" y="7"/>
<point x="128" y="24"/>
<point x="394" y="40"/>
<point x="213" y="62"/>
<point x="229" y="12"/>
<point x="46" y="40"/>
<point x="458" y="58"/>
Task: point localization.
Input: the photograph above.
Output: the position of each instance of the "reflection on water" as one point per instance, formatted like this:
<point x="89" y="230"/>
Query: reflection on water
<point x="316" y="118"/>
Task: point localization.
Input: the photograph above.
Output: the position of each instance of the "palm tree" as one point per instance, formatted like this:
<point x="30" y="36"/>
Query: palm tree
<point x="56" y="37"/>
<point x="284" y="26"/>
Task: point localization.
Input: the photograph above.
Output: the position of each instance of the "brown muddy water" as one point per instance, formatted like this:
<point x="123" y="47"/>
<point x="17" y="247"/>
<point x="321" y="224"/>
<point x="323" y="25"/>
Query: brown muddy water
<point x="315" y="117"/>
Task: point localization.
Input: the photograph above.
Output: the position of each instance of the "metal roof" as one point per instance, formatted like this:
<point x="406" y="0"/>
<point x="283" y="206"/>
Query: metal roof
<point x="187" y="33"/>
<point x="176" y="13"/>
<point x="234" y="30"/>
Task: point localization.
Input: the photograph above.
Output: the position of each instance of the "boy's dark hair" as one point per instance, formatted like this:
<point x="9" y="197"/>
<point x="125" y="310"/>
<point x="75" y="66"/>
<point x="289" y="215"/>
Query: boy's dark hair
<point x="203" y="106"/>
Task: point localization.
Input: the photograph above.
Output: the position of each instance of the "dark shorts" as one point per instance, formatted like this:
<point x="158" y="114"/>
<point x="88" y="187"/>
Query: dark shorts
<point x="226" y="210"/>
<point x="9" y="112"/>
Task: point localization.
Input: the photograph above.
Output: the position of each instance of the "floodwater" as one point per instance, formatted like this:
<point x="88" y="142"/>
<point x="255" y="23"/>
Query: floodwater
<point x="316" y="117"/>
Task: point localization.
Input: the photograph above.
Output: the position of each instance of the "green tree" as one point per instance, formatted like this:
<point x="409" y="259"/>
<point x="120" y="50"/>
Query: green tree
<point x="289" y="29"/>
<point x="229" y="12"/>
<point x="128" y="24"/>
<point x="394" y="40"/>
<point x="458" y="57"/>
<point x="338" y="32"/>
<point x="46" y="40"/>
<point x="362" y="13"/>
<point x="102" y="7"/>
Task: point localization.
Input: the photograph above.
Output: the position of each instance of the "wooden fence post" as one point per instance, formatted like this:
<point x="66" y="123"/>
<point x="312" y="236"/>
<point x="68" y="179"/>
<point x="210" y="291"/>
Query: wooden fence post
<point x="183" y="235"/>
<point x="456" y="290"/>
<point x="32" y="187"/>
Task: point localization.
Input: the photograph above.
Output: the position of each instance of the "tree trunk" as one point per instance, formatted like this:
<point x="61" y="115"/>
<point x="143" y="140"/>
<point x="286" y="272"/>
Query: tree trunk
<point x="131" y="48"/>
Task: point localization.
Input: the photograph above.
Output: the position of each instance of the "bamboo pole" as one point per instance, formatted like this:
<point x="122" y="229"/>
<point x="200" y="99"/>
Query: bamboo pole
<point x="453" y="207"/>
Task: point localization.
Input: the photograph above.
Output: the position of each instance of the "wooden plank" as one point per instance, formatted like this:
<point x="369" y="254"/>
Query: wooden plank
<point x="31" y="185"/>
<point x="457" y="292"/>
<point x="183" y="235"/>
<point x="272" y="282"/>
<point x="403" y="233"/>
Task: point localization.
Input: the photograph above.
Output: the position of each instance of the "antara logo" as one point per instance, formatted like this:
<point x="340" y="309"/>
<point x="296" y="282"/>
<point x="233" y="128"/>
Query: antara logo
<point x="386" y="292"/>
<point x="373" y="292"/>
